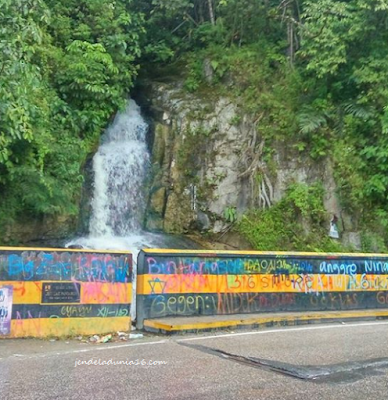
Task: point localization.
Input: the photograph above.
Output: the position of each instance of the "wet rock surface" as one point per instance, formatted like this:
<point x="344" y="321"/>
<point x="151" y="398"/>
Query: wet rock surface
<point x="208" y="156"/>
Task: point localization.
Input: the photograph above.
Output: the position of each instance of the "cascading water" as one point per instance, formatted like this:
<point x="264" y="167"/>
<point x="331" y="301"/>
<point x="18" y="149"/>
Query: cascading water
<point x="118" y="204"/>
<point x="120" y="167"/>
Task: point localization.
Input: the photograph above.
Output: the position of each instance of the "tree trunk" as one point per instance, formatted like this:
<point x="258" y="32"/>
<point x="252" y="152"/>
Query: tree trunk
<point x="211" y="12"/>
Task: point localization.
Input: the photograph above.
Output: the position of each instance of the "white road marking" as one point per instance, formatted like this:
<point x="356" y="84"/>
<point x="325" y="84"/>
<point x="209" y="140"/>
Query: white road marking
<point x="266" y="332"/>
<point x="26" y="356"/>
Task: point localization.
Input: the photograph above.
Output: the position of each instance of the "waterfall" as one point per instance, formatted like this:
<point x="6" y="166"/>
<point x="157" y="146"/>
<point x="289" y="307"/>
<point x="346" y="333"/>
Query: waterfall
<point x="120" y="167"/>
<point x="118" y="204"/>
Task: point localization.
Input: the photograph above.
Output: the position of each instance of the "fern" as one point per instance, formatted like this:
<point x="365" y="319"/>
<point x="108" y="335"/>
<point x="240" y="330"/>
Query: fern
<point x="310" y="121"/>
<point x="359" y="111"/>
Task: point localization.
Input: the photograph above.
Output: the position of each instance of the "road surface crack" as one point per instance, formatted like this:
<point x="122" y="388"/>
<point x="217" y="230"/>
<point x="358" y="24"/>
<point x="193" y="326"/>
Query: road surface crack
<point x="335" y="373"/>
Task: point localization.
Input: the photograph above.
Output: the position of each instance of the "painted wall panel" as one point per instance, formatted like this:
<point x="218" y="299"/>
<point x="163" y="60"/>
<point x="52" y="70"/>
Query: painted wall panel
<point x="184" y="283"/>
<point x="64" y="292"/>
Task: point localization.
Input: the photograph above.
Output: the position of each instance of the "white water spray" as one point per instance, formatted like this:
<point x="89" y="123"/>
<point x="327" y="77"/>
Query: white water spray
<point x="120" y="167"/>
<point x="118" y="204"/>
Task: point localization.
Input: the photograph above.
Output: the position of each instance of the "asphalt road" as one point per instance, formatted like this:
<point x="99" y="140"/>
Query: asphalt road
<point x="348" y="361"/>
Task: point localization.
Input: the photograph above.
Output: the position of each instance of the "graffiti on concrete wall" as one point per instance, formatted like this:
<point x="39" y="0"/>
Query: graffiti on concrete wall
<point x="64" y="265"/>
<point x="197" y="284"/>
<point x="64" y="292"/>
<point x="262" y="265"/>
<point x="241" y="303"/>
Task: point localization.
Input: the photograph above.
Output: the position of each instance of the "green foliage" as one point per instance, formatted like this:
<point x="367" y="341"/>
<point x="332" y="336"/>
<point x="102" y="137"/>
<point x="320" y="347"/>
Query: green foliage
<point x="311" y="120"/>
<point x="345" y="44"/>
<point x="265" y="230"/>
<point x="255" y="77"/>
<point x="297" y="222"/>
<point x="194" y="77"/>
<point x="66" y="67"/>
<point x="307" y="200"/>
<point x="313" y="74"/>
<point x="230" y="214"/>
<point x="328" y="27"/>
<point x="373" y="242"/>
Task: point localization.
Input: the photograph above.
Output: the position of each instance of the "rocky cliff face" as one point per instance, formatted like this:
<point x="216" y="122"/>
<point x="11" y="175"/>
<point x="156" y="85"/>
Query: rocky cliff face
<point x="45" y="232"/>
<point x="210" y="163"/>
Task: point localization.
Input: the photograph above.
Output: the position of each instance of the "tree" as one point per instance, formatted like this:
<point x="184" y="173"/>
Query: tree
<point x="66" y="66"/>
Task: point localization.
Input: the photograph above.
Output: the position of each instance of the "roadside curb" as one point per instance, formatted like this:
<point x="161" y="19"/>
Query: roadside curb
<point x="194" y="324"/>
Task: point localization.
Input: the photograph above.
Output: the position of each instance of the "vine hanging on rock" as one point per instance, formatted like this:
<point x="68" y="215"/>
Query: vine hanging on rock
<point x="254" y="166"/>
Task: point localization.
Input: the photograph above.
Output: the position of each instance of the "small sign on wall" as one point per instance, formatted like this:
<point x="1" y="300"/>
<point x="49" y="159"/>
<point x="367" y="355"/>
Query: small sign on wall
<point x="61" y="292"/>
<point x="6" y="295"/>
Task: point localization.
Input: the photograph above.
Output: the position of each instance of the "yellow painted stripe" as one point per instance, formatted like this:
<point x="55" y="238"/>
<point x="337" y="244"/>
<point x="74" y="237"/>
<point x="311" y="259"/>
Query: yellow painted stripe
<point x="260" y="320"/>
<point x="258" y="283"/>
<point x="43" y="327"/>
<point x="51" y="250"/>
<point x="91" y="292"/>
<point x="263" y="253"/>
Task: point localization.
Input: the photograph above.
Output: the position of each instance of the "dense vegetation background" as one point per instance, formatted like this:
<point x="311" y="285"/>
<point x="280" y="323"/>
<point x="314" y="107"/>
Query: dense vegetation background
<point x="315" y="72"/>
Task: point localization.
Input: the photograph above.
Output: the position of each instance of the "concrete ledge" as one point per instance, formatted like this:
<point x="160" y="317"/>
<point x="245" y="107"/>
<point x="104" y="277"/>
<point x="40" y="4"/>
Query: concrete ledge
<point x="251" y="321"/>
<point x="62" y="327"/>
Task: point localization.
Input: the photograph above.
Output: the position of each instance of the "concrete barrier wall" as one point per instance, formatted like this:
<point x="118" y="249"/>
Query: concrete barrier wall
<point x="58" y="292"/>
<point x="184" y="283"/>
